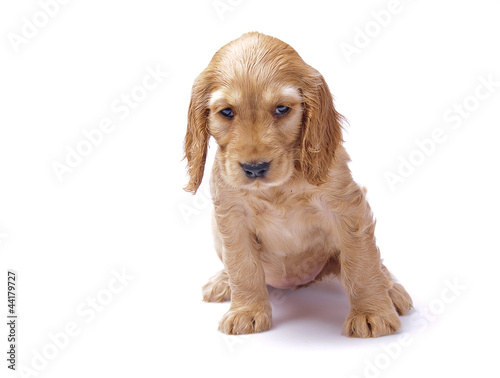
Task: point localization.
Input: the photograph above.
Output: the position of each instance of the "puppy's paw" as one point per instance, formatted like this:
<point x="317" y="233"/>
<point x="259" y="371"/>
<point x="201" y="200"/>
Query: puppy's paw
<point x="401" y="299"/>
<point x="244" y="321"/>
<point x="217" y="288"/>
<point x="371" y="324"/>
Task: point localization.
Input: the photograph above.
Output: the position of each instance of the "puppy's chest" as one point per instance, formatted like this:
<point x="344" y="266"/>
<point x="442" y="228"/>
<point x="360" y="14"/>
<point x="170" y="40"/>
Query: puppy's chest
<point x="295" y="244"/>
<point x="291" y="227"/>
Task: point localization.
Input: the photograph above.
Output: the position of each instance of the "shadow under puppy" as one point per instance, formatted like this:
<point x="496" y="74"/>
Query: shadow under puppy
<point x="286" y="209"/>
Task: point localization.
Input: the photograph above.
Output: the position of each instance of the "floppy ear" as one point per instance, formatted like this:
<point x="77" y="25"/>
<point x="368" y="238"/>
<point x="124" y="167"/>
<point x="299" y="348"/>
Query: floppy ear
<point x="197" y="136"/>
<point x="321" y="129"/>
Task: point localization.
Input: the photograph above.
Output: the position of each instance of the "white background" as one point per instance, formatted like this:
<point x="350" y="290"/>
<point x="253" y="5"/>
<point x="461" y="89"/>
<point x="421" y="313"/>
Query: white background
<point x="122" y="209"/>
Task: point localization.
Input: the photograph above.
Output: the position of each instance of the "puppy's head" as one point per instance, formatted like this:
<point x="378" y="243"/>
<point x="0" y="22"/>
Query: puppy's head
<point x="270" y="113"/>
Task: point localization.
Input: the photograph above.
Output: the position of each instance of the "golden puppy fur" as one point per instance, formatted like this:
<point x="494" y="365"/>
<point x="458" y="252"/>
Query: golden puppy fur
<point x="303" y="218"/>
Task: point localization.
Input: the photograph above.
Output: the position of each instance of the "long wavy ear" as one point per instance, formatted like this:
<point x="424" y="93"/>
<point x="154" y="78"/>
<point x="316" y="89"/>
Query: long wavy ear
<point x="321" y="129"/>
<point x="197" y="136"/>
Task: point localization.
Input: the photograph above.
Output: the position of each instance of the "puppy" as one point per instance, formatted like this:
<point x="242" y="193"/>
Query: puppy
<point x="286" y="209"/>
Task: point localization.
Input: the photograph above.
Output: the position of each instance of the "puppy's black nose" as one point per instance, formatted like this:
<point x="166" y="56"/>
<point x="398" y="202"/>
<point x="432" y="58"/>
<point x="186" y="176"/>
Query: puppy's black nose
<point x="255" y="170"/>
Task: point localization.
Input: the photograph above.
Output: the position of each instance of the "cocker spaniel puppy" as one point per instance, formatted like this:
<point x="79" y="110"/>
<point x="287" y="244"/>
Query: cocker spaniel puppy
<point x="286" y="209"/>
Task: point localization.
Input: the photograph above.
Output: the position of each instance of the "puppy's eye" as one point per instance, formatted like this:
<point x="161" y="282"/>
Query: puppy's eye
<point x="281" y="110"/>
<point x="228" y="113"/>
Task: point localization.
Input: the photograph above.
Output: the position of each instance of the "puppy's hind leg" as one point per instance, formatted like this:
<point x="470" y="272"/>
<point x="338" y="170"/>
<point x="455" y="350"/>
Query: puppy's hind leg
<point x="217" y="288"/>
<point x="399" y="296"/>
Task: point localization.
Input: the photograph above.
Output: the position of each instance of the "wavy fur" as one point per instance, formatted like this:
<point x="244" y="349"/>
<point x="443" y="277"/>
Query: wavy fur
<point x="305" y="218"/>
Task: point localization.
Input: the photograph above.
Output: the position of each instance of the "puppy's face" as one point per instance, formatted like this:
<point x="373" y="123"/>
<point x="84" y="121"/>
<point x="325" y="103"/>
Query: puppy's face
<point x="256" y="124"/>
<point x="271" y="114"/>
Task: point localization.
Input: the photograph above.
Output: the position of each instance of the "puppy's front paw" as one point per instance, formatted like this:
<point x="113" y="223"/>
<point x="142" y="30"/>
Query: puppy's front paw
<point x="246" y="320"/>
<point x="370" y="324"/>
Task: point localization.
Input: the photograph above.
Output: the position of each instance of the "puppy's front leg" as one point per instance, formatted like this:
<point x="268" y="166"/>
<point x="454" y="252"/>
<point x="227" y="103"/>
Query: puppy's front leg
<point x="250" y="309"/>
<point x="372" y="312"/>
